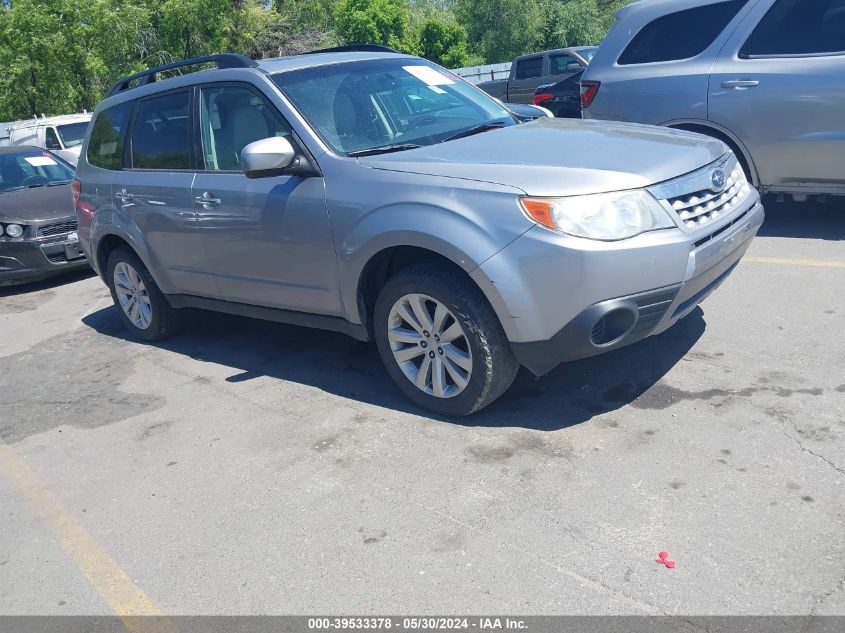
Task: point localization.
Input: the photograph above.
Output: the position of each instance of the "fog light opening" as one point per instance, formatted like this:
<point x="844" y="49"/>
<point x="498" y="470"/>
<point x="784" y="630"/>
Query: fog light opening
<point x="613" y="326"/>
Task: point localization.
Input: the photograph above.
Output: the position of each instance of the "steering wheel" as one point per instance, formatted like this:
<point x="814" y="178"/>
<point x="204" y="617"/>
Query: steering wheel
<point x="419" y="122"/>
<point x="31" y="180"/>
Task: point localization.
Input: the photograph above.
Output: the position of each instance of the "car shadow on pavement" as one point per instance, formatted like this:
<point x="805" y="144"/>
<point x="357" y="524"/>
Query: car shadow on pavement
<point x="807" y="220"/>
<point x="45" y="284"/>
<point x="334" y="363"/>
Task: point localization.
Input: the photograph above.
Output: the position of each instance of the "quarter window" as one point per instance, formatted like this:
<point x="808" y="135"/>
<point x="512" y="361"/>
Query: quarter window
<point x="529" y="68"/>
<point x="799" y="27"/>
<point x="105" y="148"/>
<point x="680" y="35"/>
<point x="232" y="117"/>
<point x="161" y="136"/>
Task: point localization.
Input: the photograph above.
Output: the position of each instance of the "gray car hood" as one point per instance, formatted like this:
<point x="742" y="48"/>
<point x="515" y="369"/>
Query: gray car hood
<point x="36" y="204"/>
<point x="555" y="157"/>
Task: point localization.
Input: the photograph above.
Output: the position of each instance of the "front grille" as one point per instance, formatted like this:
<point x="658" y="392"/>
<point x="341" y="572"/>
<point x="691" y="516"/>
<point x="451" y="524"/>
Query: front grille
<point x="60" y="228"/>
<point x="697" y="208"/>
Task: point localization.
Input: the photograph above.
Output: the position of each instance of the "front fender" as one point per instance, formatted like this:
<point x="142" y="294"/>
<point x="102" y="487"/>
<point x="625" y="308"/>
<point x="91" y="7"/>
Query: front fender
<point x="462" y="235"/>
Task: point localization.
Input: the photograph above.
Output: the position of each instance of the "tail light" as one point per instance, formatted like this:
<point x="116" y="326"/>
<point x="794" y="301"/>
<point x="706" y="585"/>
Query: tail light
<point x="589" y="90"/>
<point x="543" y="96"/>
<point x="76" y="190"/>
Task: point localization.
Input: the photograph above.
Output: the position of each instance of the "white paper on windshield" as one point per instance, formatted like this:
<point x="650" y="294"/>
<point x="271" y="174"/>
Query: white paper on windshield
<point x="429" y="75"/>
<point x="40" y="161"/>
<point x="439" y="91"/>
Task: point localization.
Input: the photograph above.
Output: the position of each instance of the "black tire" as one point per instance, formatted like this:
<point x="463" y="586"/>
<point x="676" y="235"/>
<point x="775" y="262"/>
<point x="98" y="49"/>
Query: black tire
<point x="494" y="366"/>
<point x="165" y="320"/>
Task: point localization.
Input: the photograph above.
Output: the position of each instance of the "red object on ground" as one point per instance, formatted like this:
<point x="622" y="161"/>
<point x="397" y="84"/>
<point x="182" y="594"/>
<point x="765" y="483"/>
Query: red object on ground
<point x="670" y="564"/>
<point x="663" y="555"/>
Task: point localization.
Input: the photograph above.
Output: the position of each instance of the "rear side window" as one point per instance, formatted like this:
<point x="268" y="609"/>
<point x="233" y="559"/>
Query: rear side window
<point x="105" y="149"/>
<point x="529" y="68"/>
<point x="161" y="135"/>
<point x="680" y="35"/>
<point x="799" y="27"/>
<point x="51" y="141"/>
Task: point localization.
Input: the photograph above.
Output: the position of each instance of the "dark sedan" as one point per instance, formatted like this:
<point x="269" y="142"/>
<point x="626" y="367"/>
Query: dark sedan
<point x="562" y="99"/>
<point x="37" y="220"/>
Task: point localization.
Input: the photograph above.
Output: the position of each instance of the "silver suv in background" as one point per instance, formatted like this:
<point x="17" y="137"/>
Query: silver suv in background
<point x="765" y="76"/>
<point x="373" y="193"/>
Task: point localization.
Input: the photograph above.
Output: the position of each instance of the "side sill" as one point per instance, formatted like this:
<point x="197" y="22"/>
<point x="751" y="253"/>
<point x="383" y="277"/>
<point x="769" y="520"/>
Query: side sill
<point x="289" y="317"/>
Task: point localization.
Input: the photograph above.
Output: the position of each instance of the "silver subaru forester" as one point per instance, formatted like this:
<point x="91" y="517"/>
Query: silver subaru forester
<point x="374" y="193"/>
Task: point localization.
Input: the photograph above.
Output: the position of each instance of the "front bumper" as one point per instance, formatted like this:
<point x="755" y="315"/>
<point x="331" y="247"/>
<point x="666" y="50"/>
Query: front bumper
<point x="26" y="260"/>
<point x="679" y="272"/>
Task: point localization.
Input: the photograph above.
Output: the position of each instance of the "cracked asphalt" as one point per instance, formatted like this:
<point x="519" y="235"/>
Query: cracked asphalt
<point x="253" y="468"/>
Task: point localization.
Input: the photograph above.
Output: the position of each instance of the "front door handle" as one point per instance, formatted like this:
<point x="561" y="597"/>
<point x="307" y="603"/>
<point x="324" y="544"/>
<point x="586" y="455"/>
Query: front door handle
<point x="207" y="200"/>
<point x="124" y="196"/>
<point x="740" y="84"/>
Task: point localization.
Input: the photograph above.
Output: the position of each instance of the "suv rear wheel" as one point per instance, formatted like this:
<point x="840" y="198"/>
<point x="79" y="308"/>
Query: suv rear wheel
<point x="141" y="305"/>
<point x="440" y="340"/>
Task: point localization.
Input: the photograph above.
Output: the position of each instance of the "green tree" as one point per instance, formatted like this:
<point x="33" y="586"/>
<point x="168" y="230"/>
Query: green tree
<point x="443" y="43"/>
<point x="372" y="22"/>
<point x="501" y="29"/>
<point x="577" y="22"/>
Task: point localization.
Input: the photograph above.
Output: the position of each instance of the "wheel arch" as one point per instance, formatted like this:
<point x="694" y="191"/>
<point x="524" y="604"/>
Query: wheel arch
<point x="386" y="262"/>
<point x="708" y="128"/>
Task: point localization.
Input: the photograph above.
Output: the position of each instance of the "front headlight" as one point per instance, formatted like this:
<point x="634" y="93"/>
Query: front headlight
<point x="14" y="230"/>
<point x="605" y="216"/>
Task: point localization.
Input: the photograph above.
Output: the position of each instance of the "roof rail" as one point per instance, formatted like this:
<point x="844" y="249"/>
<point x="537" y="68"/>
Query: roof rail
<point x="356" y="48"/>
<point x="223" y="60"/>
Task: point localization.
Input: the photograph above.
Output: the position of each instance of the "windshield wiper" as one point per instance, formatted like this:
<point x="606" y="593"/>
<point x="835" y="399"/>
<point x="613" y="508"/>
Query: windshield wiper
<point x="475" y="129"/>
<point x="384" y="149"/>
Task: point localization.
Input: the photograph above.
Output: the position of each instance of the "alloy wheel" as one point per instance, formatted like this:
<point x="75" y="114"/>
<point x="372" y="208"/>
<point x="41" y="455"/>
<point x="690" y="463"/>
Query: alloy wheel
<point x="429" y="345"/>
<point x="132" y="296"/>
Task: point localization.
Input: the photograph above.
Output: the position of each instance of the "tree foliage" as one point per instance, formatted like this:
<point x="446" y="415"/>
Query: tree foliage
<point x="59" y="56"/>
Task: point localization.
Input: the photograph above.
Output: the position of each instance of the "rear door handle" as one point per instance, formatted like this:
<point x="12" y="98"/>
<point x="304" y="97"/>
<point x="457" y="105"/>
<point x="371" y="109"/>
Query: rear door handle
<point x="124" y="196"/>
<point x="739" y="84"/>
<point x="207" y="200"/>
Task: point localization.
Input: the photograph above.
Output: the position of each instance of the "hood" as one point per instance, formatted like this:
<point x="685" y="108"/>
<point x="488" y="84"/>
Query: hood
<point x="37" y="204"/>
<point x="556" y="157"/>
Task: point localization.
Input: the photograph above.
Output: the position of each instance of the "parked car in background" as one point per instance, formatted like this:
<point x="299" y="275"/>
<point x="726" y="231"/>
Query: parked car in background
<point x="530" y="71"/>
<point x="37" y="221"/>
<point x="62" y="135"/>
<point x="320" y="190"/>
<point x="562" y="99"/>
<point x="765" y="76"/>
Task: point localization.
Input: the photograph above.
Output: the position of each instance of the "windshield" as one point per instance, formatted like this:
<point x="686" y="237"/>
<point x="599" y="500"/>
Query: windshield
<point x="72" y="133"/>
<point x="403" y="102"/>
<point x="22" y="170"/>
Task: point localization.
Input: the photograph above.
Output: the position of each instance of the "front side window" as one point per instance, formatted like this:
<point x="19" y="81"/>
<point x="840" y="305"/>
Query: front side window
<point x="161" y="137"/>
<point x="359" y="106"/>
<point x="559" y="64"/>
<point x="680" y="35"/>
<point x="105" y="148"/>
<point x="32" y="168"/>
<point x="232" y="117"/>
<point x="72" y="133"/>
<point x="51" y="141"/>
<point x="529" y="68"/>
<point x="799" y="27"/>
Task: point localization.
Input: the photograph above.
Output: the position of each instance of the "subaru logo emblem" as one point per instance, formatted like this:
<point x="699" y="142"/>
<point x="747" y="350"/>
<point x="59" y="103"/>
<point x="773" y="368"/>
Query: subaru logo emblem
<point x="718" y="179"/>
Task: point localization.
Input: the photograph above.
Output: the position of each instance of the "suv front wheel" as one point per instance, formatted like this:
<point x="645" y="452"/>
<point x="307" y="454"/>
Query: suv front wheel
<point x="440" y="340"/>
<point x="142" y="307"/>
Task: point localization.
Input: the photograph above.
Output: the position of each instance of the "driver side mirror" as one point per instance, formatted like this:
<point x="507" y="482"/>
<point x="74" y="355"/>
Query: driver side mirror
<point x="574" y="67"/>
<point x="267" y="157"/>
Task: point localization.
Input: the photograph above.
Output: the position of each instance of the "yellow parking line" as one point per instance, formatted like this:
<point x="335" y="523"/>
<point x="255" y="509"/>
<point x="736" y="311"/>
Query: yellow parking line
<point x="119" y="591"/>
<point x="814" y="263"/>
